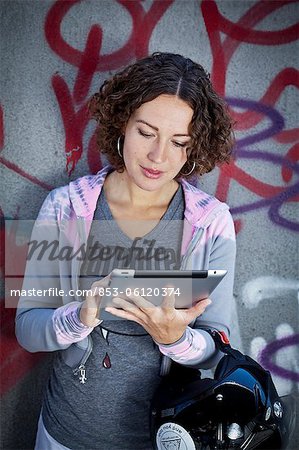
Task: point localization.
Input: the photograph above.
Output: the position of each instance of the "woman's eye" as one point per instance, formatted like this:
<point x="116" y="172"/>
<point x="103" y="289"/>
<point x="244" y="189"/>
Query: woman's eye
<point x="179" y="144"/>
<point x="146" y="135"/>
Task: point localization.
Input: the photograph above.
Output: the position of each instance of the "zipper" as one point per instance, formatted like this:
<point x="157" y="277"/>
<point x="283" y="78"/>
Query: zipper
<point x="80" y="371"/>
<point x="82" y="240"/>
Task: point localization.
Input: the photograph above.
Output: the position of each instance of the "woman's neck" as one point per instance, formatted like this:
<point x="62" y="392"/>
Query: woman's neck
<point x="120" y="189"/>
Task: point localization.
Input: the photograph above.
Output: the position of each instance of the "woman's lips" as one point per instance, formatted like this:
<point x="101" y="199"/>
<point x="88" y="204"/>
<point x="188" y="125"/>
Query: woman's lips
<point x="150" y="173"/>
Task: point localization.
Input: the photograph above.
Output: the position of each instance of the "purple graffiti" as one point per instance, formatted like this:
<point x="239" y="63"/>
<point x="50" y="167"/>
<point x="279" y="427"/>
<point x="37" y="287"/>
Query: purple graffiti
<point x="277" y="122"/>
<point x="271" y="349"/>
<point x="276" y="201"/>
<point x="242" y="150"/>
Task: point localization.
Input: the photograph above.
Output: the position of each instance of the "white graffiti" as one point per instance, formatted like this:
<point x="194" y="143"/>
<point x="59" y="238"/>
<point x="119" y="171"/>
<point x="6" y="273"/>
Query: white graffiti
<point x="286" y="358"/>
<point x="253" y="293"/>
<point x="265" y="287"/>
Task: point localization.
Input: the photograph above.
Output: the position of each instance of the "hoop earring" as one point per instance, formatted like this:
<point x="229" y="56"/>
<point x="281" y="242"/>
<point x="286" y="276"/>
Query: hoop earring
<point x="189" y="173"/>
<point x="118" y="147"/>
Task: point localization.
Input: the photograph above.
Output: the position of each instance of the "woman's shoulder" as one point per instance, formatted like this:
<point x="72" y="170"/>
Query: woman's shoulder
<point x="201" y="208"/>
<point x="80" y="194"/>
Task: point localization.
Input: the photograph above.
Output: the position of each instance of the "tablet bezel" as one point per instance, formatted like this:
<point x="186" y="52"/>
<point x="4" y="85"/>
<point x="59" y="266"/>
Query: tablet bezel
<point x="203" y="283"/>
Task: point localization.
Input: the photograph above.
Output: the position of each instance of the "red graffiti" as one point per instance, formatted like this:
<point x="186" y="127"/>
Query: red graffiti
<point x="24" y="174"/>
<point x="13" y="166"/>
<point x="15" y="260"/>
<point x="233" y="172"/>
<point x="143" y="24"/>
<point x="74" y="56"/>
<point x="74" y="122"/>
<point x="15" y="362"/>
<point x="88" y="62"/>
<point x="287" y="136"/>
<point x="238" y="224"/>
<point x="93" y="155"/>
<point x="2" y="241"/>
<point x="243" y="31"/>
<point x="1" y="128"/>
<point x="73" y="101"/>
<point x="223" y="50"/>
<point x="293" y="156"/>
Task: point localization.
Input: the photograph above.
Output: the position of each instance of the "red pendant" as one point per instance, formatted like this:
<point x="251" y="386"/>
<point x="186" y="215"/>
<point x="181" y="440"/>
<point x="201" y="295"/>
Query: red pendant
<point x="106" y="362"/>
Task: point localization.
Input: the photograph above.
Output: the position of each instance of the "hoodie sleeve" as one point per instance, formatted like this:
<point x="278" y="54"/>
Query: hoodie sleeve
<point x="216" y="250"/>
<point x="42" y="322"/>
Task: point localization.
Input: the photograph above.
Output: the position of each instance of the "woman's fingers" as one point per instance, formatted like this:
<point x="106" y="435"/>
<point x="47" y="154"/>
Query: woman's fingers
<point x="132" y="308"/>
<point x="89" y="311"/>
<point x="168" y="302"/>
<point x="140" y="301"/>
<point x="156" y="319"/>
<point x="197" y="310"/>
<point x="123" y="314"/>
<point x="97" y="287"/>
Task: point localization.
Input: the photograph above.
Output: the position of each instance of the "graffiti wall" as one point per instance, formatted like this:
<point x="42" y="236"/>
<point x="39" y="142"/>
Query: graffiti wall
<point x="55" y="54"/>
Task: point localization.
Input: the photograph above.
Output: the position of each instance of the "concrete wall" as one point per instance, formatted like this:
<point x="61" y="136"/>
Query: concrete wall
<point x="54" y="55"/>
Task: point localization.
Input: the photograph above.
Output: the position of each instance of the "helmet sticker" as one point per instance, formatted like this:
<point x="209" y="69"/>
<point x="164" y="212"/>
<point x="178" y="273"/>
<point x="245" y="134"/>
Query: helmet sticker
<point x="268" y="413"/>
<point x="172" y="436"/>
<point x="278" y="410"/>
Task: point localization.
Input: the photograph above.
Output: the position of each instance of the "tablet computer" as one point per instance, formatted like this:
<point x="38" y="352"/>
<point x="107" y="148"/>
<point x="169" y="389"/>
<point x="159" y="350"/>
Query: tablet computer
<point x="188" y="286"/>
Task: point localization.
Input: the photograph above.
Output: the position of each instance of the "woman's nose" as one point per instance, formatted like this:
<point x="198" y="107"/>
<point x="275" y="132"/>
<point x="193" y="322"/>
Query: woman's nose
<point x="158" y="153"/>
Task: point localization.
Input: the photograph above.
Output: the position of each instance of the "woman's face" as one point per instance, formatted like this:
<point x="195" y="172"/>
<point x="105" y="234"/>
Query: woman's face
<point x="156" y="140"/>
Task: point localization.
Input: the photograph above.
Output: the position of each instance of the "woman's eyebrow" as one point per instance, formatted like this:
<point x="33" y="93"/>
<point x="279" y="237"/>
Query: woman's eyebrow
<point x="157" y="129"/>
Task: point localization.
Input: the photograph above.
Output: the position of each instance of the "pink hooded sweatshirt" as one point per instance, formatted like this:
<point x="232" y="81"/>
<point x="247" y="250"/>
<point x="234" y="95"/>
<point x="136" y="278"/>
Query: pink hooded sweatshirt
<point x="51" y="322"/>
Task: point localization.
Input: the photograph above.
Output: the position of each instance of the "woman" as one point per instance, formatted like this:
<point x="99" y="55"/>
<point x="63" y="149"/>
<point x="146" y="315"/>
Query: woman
<point x="160" y="122"/>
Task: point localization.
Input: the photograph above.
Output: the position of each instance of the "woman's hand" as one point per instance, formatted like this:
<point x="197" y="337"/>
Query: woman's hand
<point x="164" y="323"/>
<point x="89" y="311"/>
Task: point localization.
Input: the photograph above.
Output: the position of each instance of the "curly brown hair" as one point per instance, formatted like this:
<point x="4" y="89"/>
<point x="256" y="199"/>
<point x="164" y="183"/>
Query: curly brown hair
<point x="211" y="127"/>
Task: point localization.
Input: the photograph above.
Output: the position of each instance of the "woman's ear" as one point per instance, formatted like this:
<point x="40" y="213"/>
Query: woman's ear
<point x="122" y="130"/>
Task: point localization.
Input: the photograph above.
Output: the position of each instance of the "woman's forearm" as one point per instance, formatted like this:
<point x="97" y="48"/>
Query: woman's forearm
<point x="196" y="349"/>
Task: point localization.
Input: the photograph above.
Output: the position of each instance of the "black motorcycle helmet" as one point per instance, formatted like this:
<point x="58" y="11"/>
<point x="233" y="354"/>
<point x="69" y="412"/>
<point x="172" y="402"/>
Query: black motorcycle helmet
<point x="238" y="409"/>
